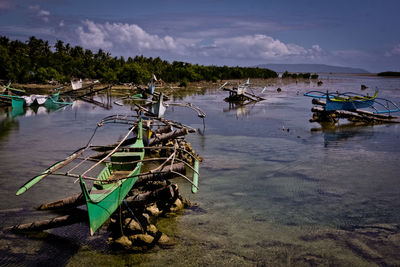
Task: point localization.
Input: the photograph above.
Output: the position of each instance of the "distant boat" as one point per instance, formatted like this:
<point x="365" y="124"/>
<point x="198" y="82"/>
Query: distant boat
<point x="10" y="90"/>
<point x="240" y="94"/>
<point x="242" y="88"/>
<point x="350" y="101"/>
<point x="8" y="93"/>
<point x="344" y="101"/>
<point x="159" y="108"/>
<point x="76" y="84"/>
<point x="34" y="100"/>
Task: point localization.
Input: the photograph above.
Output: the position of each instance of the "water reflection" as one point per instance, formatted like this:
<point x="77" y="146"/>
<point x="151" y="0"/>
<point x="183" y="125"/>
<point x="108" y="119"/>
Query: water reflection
<point x="271" y="197"/>
<point x="7" y="122"/>
<point x="9" y="114"/>
<point x="240" y="110"/>
<point x="335" y="134"/>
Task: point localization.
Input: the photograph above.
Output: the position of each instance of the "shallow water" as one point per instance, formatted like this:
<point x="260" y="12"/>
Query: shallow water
<point x="272" y="192"/>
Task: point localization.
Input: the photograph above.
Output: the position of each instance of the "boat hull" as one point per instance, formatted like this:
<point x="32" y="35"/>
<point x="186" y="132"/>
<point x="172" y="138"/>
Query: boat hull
<point x="105" y="196"/>
<point x="332" y="104"/>
<point x="34" y="100"/>
<point x="17" y="103"/>
<point x="102" y="202"/>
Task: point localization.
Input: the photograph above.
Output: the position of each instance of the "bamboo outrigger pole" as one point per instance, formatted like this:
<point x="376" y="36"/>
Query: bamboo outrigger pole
<point x="50" y="170"/>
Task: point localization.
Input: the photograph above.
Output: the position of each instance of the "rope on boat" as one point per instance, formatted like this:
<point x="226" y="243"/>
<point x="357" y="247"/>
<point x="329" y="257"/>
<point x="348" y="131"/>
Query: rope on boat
<point x="109" y="154"/>
<point x="137" y="161"/>
<point x="113" y="180"/>
<point x="158" y="147"/>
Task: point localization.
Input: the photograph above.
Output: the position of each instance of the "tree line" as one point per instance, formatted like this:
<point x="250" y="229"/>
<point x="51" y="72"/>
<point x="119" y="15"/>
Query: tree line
<point x="389" y="74"/>
<point x="306" y="75"/>
<point x="36" y="61"/>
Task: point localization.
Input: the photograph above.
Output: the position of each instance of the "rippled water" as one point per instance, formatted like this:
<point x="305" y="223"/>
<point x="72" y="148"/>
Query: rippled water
<point x="272" y="192"/>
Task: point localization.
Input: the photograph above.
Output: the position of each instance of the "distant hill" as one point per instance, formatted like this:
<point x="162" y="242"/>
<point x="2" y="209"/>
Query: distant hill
<point x="314" y="68"/>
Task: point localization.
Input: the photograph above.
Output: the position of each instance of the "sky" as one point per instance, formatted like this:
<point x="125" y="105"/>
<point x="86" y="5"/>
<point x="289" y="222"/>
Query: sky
<point x="350" y="33"/>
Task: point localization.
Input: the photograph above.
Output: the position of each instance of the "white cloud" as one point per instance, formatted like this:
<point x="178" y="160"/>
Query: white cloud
<point x="394" y="52"/>
<point x="128" y="37"/>
<point x="131" y="39"/>
<point x="260" y="46"/>
<point x="42" y="14"/>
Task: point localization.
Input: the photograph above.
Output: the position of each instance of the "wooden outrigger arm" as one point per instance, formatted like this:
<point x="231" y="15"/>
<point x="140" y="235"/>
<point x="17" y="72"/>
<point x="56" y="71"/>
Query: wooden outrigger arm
<point x="50" y="170"/>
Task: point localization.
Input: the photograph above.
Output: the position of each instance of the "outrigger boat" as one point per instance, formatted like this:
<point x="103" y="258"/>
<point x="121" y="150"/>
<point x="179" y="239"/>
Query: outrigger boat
<point x="35" y="100"/>
<point x="350" y="101"/>
<point x="123" y="165"/>
<point x="240" y="94"/>
<point x="113" y="183"/>
<point x="7" y="93"/>
<point x="12" y="91"/>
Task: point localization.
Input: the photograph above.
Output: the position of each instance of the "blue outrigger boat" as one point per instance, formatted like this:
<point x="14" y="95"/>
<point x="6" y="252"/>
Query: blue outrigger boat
<point x="353" y="101"/>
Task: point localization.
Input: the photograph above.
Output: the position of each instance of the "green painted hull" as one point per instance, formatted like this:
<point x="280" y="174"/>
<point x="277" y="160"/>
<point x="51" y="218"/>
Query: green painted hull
<point x="104" y="198"/>
<point x="17" y="103"/>
<point x="52" y="99"/>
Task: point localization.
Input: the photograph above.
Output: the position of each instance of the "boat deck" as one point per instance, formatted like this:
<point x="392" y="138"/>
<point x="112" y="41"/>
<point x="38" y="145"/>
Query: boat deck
<point x="119" y="174"/>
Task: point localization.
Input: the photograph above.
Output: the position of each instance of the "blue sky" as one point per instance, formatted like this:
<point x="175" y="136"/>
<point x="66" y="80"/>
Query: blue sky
<point x="363" y="34"/>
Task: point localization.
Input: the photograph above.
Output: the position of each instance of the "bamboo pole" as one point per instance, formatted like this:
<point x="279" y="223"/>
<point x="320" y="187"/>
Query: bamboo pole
<point x="164" y="193"/>
<point x="167" y="136"/>
<point x="49" y="171"/>
<point x="358" y="114"/>
<point x="78" y="199"/>
<point x="50" y="223"/>
<point x="65" y="203"/>
<point x="110" y="153"/>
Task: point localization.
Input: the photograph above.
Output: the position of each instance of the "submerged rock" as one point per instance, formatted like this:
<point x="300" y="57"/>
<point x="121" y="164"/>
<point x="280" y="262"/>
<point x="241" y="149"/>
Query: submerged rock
<point x="165" y="240"/>
<point x="153" y="210"/>
<point x="123" y="242"/>
<point x="133" y="225"/>
<point x="142" y="239"/>
<point x="152" y="229"/>
<point x="177" y="206"/>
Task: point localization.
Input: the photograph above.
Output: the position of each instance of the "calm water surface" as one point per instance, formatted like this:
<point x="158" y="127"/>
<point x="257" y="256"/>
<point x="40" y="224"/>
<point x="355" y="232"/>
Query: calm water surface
<point x="272" y="192"/>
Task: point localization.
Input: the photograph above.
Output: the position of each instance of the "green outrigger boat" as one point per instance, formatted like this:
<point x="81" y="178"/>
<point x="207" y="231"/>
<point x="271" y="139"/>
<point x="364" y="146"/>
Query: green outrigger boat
<point x="123" y="164"/>
<point x="113" y="183"/>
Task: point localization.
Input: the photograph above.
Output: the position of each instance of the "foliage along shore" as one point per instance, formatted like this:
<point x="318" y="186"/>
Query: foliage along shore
<point x="35" y="61"/>
<point x="389" y="74"/>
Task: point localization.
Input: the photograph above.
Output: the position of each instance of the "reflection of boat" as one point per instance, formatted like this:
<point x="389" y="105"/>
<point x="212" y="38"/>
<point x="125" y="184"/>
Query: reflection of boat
<point x="334" y="135"/>
<point x="113" y="183"/>
<point x="240" y="109"/>
<point x="35" y="110"/>
<point x="32" y="110"/>
<point x="353" y="101"/>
